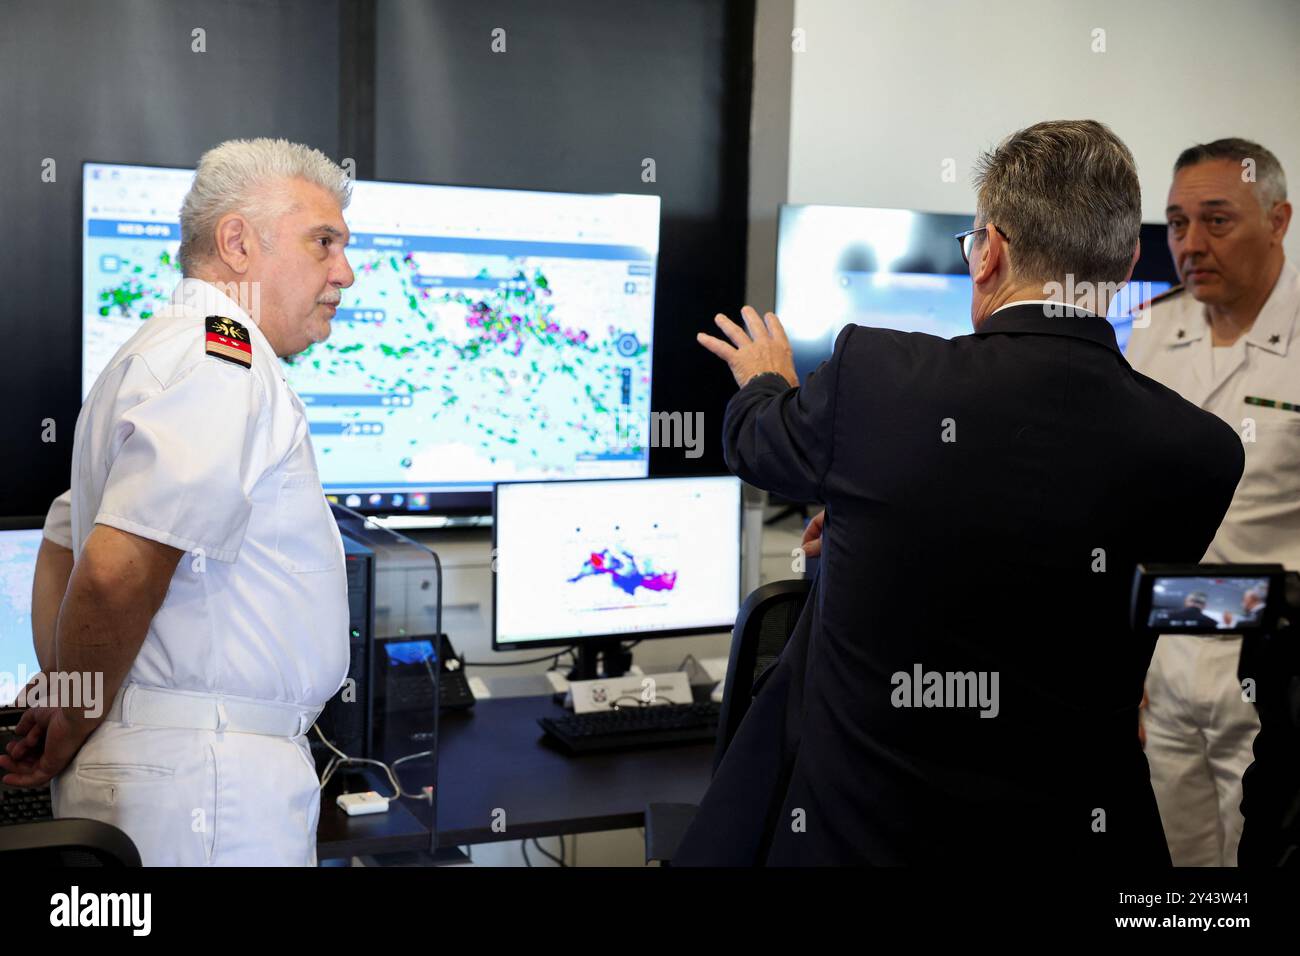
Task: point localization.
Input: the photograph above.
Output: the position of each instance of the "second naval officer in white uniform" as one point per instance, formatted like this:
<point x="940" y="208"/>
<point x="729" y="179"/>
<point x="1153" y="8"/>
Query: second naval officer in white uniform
<point x="1227" y="340"/>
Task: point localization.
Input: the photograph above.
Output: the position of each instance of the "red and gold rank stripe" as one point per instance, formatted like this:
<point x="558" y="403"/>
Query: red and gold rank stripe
<point x="230" y="348"/>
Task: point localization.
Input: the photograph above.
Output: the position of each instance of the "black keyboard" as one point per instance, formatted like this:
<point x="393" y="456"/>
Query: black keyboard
<point x="24" y="806"/>
<point x="634" y="728"/>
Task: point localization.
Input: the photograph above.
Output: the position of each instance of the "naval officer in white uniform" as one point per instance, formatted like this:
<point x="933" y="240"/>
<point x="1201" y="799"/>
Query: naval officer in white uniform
<point x="1227" y="340"/>
<point x="208" y="582"/>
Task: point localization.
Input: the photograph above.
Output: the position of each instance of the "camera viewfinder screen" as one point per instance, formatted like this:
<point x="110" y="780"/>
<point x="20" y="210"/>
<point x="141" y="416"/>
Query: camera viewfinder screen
<point x="1208" y="604"/>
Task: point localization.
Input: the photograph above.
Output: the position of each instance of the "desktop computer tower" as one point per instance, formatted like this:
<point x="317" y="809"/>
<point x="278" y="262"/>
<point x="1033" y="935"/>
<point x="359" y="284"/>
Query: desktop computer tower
<point x="347" y="720"/>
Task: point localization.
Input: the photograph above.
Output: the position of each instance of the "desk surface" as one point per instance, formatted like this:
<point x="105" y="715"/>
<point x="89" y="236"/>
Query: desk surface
<point x="404" y="827"/>
<point x="493" y="757"/>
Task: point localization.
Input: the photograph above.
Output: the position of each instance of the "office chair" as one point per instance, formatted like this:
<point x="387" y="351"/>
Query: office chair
<point x="66" y="843"/>
<point x="763" y="626"/>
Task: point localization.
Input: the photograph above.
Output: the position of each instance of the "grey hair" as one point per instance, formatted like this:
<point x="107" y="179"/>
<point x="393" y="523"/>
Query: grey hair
<point x="233" y="177"/>
<point x="1066" y="194"/>
<point x="1269" y="177"/>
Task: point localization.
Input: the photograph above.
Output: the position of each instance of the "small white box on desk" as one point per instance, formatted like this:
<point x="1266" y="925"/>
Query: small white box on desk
<point x="359" y="804"/>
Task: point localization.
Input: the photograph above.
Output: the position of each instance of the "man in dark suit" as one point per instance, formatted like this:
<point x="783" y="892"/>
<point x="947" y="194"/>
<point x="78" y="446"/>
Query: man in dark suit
<point x="1025" y="465"/>
<point x="1192" y="613"/>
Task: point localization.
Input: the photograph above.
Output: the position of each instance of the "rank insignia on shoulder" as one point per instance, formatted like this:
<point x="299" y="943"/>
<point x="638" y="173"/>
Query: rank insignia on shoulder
<point x="1162" y="297"/>
<point x="227" y="339"/>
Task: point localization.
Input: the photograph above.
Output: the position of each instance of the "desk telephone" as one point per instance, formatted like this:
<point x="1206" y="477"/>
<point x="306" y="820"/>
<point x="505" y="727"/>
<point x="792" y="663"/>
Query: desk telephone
<point x="406" y="666"/>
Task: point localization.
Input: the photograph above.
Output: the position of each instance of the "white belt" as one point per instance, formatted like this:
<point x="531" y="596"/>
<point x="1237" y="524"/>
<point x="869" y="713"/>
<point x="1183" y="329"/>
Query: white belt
<point x="158" y="707"/>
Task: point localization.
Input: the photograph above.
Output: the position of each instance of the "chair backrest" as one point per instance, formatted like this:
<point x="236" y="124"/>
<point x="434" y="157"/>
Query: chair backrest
<point x="66" y="842"/>
<point x="763" y="626"/>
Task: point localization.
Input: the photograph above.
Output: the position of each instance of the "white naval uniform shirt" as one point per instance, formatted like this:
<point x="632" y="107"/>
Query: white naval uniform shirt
<point x="203" y="454"/>
<point x="1175" y="349"/>
<point x="1199" y="730"/>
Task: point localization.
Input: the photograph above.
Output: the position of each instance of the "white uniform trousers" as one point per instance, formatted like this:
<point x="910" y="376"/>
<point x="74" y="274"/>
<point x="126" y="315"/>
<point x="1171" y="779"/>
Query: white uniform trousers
<point x="199" y="779"/>
<point x="1199" y="733"/>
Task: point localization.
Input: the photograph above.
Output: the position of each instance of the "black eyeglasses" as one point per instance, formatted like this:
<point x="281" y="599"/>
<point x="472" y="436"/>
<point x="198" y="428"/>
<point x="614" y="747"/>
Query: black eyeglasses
<point x="966" y="240"/>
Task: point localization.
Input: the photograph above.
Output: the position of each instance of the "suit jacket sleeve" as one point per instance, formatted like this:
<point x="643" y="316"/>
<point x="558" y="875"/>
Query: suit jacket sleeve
<point x="782" y="439"/>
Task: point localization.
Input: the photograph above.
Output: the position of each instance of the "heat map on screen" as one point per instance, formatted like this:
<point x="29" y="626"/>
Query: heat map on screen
<point x="625" y="571"/>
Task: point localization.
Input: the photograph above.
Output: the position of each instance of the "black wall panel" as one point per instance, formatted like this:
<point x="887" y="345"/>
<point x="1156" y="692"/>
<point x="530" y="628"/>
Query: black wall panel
<point x="408" y="88"/>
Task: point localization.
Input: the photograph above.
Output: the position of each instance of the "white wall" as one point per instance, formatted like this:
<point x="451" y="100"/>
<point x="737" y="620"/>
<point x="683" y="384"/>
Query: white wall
<point x="886" y="90"/>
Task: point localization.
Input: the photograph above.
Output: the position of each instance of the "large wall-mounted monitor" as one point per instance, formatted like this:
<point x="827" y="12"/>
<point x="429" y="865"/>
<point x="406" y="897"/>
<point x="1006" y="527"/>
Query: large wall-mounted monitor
<point x="491" y="334"/>
<point x="901" y="269"/>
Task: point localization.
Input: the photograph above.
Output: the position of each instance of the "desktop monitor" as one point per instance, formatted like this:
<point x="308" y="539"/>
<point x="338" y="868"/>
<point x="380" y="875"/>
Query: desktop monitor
<point x="18" y="547"/>
<point x="490" y="335"/>
<point x="590" y="563"/>
<point x="901" y="269"/>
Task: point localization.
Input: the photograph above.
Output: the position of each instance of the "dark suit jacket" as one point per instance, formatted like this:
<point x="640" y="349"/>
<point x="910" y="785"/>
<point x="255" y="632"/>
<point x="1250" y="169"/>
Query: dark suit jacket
<point x="1190" y="617"/>
<point x="974" y="488"/>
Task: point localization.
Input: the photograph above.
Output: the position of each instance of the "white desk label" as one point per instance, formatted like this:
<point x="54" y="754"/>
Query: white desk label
<point x="632" y="690"/>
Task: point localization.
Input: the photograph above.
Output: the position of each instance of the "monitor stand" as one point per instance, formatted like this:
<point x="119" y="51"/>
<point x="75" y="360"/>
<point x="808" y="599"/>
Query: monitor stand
<point x="614" y="659"/>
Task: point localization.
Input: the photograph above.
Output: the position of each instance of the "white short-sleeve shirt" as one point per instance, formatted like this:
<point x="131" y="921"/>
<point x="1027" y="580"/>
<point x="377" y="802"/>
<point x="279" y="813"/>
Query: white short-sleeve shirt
<point x="58" y="521"/>
<point x="181" y="445"/>
<point x="1172" y="343"/>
